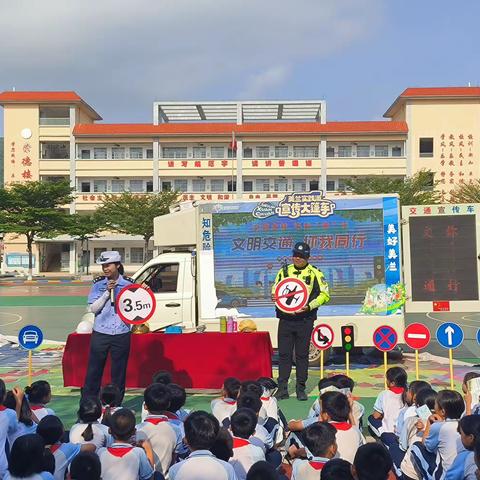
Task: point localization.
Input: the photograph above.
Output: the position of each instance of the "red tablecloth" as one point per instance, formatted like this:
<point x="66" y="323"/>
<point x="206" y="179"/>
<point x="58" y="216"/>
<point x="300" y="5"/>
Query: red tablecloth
<point x="196" y="360"/>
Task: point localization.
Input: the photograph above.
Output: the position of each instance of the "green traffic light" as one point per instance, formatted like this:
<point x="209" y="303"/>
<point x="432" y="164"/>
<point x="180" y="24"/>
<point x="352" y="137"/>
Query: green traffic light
<point x="348" y="347"/>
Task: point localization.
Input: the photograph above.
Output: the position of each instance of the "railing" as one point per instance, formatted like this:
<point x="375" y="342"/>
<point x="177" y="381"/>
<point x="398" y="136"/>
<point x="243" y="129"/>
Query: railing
<point x="54" y="122"/>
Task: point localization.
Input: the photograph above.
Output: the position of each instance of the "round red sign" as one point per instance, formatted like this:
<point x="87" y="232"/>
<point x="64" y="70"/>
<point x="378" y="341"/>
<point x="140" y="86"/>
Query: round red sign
<point x="135" y="304"/>
<point x="291" y="295"/>
<point x="417" y="336"/>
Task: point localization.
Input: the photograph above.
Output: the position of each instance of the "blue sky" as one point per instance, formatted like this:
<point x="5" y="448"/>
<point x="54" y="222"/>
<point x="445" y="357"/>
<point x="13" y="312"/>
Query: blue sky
<point x="120" y="55"/>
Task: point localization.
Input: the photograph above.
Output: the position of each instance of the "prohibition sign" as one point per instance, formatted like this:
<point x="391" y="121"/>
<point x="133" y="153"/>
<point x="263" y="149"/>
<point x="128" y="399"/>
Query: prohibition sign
<point x="385" y="338"/>
<point x="417" y="336"/>
<point x="135" y="304"/>
<point x="322" y="336"/>
<point x="291" y="295"/>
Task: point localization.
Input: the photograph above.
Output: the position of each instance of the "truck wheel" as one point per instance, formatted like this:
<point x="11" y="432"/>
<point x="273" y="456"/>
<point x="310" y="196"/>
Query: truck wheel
<point x="314" y="355"/>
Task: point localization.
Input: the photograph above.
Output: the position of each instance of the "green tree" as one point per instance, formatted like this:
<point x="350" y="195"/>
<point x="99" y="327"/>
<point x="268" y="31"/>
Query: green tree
<point x="415" y="190"/>
<point x="466" y="193"/>
<point x="133" y="214"/>
<point x="35" y="209"/>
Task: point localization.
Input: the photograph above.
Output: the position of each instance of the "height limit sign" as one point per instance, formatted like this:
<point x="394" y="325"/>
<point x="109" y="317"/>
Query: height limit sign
<point x="291" y="295"/>
<point x="135" y="304"/>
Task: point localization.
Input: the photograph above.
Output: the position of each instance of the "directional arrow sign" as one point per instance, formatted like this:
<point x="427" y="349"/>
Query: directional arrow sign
<point x="450" y="335"/>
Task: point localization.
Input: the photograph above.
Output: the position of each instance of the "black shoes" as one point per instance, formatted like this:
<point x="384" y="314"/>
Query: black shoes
<point x="302" y="396"/>
<point x="282" y="394"/>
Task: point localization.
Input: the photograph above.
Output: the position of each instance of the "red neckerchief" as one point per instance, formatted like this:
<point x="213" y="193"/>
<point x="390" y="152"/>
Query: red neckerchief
<point x="264" y="399"/>
<point x="316" y="465"/>
<point x="119" y="451"/>
<point x="55" y="447"/>
<point x="36" y="407"/>
<point x="2" y="408"/>
<point x="229" y="402"/>
<point x="157" y="420"/>
<point x="397" y="390"/>
<point x="240" y="442"/>
<point x="343" y="426"/>
<point x="170" y="415"/>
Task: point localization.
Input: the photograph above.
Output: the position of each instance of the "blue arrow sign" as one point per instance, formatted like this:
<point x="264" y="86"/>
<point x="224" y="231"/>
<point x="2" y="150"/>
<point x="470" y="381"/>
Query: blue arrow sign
<point x="450" y="335"/>
<point x="478" y="336"/>
<point x="30" y="337"/>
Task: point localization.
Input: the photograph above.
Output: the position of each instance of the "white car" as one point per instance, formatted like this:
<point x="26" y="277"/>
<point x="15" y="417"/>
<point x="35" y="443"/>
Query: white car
<point x="30" y="336"/>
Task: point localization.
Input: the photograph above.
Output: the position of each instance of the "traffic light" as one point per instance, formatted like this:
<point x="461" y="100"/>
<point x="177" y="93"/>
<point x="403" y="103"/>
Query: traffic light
<point x="347" y="338"/>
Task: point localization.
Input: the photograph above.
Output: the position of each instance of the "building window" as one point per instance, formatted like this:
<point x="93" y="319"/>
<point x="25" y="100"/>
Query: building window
<point x="314" y="185"/>
<point x="247" y="152"/>
<point x="99" y="186"/>
<point x="426" y="147"/>
<point x="180" y="185"/>
<point x="330" y="151"/>
<point x="118" y="153"/>
<point x="248" y="186"/>
<point x="363" y="150"/>
<point x="381" y="150"/>
<point x="263" y="152"/>
<point x="262" y="185"/>
<point x="136" y="255"/>
<point x="199" y="185"/>
<point x="85" y="187"/>
<point x="118" y="186"/>
<point x="299" y="185"/>
<point x="136" y="186"/>
<point x="231" y="153"/>
<point x="100" y="153"/>
<point x="330" y="185"/>
<point x="281" y="152"/>
<point x="174" y="152"/>
<point x="149" y="152"/>
<point x="344" y="151"/>
<point x="136" y="152"/>
<point x="217" y="152"/>
<point x="85" y="154"/>
<point x="280" y="185"/>
<point x="166" y="186"/>
<point x="232" y="186"/>
<point x="217" y="185"/>
<point x="305" y="152"/>
<point x="396" y="151"/>
<point x="54" y="116"/>
<point x="55" y="150"/>
<point x="149" y="185"/>
<point x="199" y="152"/>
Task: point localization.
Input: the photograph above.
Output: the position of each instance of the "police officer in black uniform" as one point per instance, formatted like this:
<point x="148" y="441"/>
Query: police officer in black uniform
<point x="295" y="330"/>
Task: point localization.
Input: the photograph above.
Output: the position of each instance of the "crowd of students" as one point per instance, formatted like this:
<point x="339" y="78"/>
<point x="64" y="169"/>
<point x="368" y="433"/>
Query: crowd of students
<point x="419" y="434"/>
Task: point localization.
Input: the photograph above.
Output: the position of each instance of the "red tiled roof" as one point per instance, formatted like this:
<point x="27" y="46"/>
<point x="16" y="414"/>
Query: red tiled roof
<point x="432" y="92"/>
<point x="209" y="128"/>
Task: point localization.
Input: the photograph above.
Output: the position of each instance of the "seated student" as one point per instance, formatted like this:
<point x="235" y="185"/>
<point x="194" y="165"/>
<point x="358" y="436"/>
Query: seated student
<point x="372" y="462"/>
<point x="472" y="405"/>
<point x="122" y="460"/>
<point x="245" y="454"/>
<point x="337" y="469"/>
<point x="27" y="459"/>
<point x="409" y="410"/>
<point x="178" y="398"/>
<point x="88" y="429"/>
<point x="201" y="430"/>
<point x="222" y="448"/>
<point x="162" y="376"/>
<point x="25" y="423"/>
<point x="39" y="395"/>
<point x="463" y="467"/>
<point x="255" y="388"/>
<point x="264" y="471"/>
<point x="110" y="396"/>
<point x="335" y="409"/>
<point x="51" y="430"/>
<point x="389" y="403"/>
<point x="269" y="402"/>
<point x="85" y="466"/>
<point x="440" y="444"/>
<point x="319" y="441"/>
<point x="156" y="428"/>
<point x="223" y="408"/>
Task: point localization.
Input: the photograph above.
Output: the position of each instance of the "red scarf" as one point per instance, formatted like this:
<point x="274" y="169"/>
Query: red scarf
<point x="240" y="442"/>
<point x="343" y="426"/>
<point x="316" y="465"/>
<point x="119" y="451"/>
<point x="397" y="390"/>
<point x="156" y="421"/>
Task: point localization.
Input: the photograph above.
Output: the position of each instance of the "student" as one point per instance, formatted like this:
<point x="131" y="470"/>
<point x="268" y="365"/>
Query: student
<point x="434" y="455"/>
<point x="162" y="376"/>
<point x="222" y="448"/>
<point x="245" y="454"/>
<point x="372" y="462"/>
<point x="39" y="395"/>
<point x="88" y="429"/>
<point x="25" y="423"/>
<point x="110" y="396"/>
<point x="178" y="398"/>
<point x="337" y="469"/>
<point x="223" y="408"/>
<point x="27" y="459"/>
<point x="319" y="441"/>
<point x="263" y="471"/>
<point x="463" y="467"/>
<point x="472" y="405"/>
<point x="254" y="387"/>
<point x="122" y="460"/>
<point x="335" y="409"/>
<point x="51" y="430"/>
<point x="269" y="402"/>
<point x="389" y="403"/>
<point x="85" y="466"/>
<point x="157" y="429"/>
<point x="409" y="410"/>
<point x="201" y="430"/>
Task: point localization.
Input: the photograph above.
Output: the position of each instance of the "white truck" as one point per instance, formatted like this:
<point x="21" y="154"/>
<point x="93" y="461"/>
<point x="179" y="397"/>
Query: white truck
<point x="219" y="255"/>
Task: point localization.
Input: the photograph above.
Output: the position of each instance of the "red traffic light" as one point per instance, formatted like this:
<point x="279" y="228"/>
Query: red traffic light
<point x="347" y="330"/>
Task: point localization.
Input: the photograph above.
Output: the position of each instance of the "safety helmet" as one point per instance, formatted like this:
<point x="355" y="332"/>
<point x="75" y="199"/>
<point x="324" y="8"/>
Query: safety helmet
<point x="301" y="249"/>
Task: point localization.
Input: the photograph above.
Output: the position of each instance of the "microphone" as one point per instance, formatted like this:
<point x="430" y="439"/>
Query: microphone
<point x="112" y="297"/>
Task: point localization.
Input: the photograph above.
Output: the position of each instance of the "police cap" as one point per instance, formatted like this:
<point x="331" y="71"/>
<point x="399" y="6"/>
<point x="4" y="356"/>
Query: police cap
<point x="302" y="250"/>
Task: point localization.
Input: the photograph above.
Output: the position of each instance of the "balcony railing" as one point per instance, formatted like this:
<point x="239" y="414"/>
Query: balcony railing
<point x="55" y="122"/>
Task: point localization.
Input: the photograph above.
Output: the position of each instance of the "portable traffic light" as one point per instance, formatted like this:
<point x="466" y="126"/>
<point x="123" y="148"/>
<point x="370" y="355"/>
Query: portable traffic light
<point x="347" y="338"/>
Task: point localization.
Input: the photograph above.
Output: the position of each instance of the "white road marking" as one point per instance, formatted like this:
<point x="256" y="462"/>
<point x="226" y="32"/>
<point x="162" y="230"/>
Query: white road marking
<point x="18" y="318"/>
<point x="439" y="320"/>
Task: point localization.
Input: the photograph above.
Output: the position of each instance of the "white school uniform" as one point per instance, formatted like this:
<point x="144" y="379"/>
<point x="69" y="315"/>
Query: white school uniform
<point x="389" y="403"/>
<point x="41" y="411"/>
<point x="201" y="465"/>
<point x="262" y="435"/>
<point x="63" y="453"/>
<point x="308" y="469"/>
<point x="8" y="426"/>
<point x="357" y="411"/>
<point x="101" y="437"/>
<point x="245" y="454"/>
<point x="270" y="404"/>
<point x="163" y="438"/>
<point x="121" y="461"/>
<point x="223" y="408"/>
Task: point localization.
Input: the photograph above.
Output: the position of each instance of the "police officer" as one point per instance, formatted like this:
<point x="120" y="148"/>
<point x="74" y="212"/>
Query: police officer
<point x="295" y="330"/>
<point x="110" y="333"/>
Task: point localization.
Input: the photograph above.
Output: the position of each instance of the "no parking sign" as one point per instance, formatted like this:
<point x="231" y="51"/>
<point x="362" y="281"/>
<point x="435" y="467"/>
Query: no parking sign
<point x="291" y="295"/>
<point x="135" y="304"/>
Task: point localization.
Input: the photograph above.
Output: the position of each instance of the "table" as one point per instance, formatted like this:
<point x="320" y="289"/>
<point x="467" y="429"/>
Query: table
<point x="196" y="360"/>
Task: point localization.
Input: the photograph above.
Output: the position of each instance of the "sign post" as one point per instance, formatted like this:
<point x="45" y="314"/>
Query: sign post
<point x="135" y="304"/>
<point x="417" y="336"/>
<point x="30" y="337"/>
<point x="450" y="335"/>
<point x="322" y="338"/>
<point x="385" y="338"/>
<point x="291" y="295"/>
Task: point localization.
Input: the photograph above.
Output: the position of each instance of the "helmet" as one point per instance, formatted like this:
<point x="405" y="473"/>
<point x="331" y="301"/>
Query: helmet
<point x="247" y="325"/>
<point x="85" y="327"/>
<point x="301" y="249"/>
<point x="139" y="329"/>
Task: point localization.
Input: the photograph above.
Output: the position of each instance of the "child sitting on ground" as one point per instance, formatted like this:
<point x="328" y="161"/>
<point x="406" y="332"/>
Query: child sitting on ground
<point x="110" y="397"/>
<point x="337" y="469"/>
<point x="162" y="376"/>
<point x="223" y="408"/>
<point x="178" y="398"/>
<point x="25" y="423"/>
<point x="122" y="460"/>
<point x="372" y="462"/>
<point x="85" y="466"/>
<point x="39" y="395"/>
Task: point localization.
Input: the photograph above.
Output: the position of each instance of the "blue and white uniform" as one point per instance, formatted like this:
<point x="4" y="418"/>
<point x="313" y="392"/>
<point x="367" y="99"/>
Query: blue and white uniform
<point x="223" y="408"/>
<point x="245" y="454"/>
<point x="308" y="469"/>
<point x="8" y="426"/>
<point x="41" y="411"/>
<point x="101" y="436"/>
<point x="63" y="453"/>
<point x="357" y="411"/>
<point x="201" y="465"/>
<point x="463" y="467"/>
<point x="36" y="476"/>
<point x="389" y="403"/>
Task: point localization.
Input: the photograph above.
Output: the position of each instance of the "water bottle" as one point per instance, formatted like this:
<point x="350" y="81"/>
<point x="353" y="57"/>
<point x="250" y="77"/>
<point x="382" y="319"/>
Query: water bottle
<point x="229" y="324"/>
<point x="235" y="323"/>
<point x="223" y="324"/>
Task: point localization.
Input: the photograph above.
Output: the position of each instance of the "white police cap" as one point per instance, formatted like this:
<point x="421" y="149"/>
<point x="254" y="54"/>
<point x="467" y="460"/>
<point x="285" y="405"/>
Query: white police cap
<point x="111" y="256"/>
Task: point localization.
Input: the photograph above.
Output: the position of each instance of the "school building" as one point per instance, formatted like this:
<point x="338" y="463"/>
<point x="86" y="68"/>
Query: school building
<point x="224" y="151"/>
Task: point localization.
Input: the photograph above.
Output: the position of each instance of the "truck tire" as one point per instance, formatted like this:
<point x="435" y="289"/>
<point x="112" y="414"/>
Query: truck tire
<point x="314" y="355"/>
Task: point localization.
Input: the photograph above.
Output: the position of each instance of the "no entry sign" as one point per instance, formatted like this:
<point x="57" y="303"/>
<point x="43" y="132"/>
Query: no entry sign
<point x="291" y="295"/>
<point x="417" y="336"/>
<point x="385" y="338"/>
<point x="135" y="304"/>
<point x="322" y="336"/>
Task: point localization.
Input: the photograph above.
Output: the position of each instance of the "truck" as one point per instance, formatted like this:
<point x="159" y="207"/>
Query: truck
<point x="226" y="254"/>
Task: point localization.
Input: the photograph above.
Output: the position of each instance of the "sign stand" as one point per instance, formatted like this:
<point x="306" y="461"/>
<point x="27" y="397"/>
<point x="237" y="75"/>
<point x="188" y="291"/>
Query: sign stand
<point x="385" y="368"/>
<point x="29" y="367"/>
<point x="30" y="337"/>
<point x="450" y="358"/>
<point x="347" y="363"/>
<point x="322" y="338"/>
<point x="450" y="335"/>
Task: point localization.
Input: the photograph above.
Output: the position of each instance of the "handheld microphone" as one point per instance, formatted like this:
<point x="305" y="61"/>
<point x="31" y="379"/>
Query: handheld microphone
<point x="112" y="297"/>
